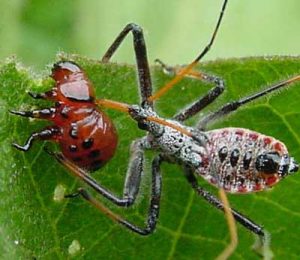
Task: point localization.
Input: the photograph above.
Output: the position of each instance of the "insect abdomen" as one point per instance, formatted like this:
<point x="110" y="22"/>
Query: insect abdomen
<point x="237" y="161"/>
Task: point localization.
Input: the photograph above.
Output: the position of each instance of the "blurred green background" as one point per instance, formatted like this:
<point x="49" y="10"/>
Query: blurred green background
<point x="175" y="30"/>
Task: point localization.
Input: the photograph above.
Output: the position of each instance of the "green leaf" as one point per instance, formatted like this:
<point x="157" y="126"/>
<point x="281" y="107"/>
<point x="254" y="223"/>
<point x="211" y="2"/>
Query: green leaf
<point x="33" y="224"/>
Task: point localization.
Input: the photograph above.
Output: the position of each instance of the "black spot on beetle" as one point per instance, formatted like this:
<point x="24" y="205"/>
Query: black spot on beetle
<point x="74" y="131"/>
<point x="95" y="165"/>
<point x="94" y="154"/>
<point x="88" y="143"/>
<point x="77" y="159"/>
<point x="64" y="112"/>
<point x="73" y="148"/>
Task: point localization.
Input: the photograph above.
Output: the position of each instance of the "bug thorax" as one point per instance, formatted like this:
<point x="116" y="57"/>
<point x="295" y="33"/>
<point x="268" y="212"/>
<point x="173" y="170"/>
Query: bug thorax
<point x="174" y="144"/>
<point x="72" y="85"/>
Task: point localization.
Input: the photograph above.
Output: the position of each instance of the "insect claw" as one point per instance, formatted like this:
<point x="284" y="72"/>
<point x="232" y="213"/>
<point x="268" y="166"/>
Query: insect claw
<point x="16" y="145"/>
<point x="72" y="195"/>
<point x="84" y="194"/>
<point x="22" y="113"/>
<point x="15" y="112"/>
<point x="35" y="95"/>
<point x="24" y="148"/>
<point x="166" y="69"/>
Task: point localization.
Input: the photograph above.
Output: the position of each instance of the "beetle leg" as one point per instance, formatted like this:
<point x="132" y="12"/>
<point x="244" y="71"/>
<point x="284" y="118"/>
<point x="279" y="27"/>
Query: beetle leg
<point x="46" y="134"/>
<point x="45" y="113"/>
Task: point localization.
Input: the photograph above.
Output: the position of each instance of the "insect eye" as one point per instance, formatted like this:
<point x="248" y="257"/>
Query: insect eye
<point x="142" y="125"/>
<point x="268" y="162"/>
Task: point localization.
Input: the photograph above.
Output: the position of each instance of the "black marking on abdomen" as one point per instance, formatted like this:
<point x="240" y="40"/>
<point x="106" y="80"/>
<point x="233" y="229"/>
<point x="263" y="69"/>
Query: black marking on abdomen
<point x="223" y="153"/>
<point x="268" y="162"/>
<point x="234" y="157"/>
<point x="247" y="160"/>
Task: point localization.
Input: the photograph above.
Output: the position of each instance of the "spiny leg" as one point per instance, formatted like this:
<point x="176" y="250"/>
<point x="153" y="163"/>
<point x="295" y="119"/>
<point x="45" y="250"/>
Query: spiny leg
<point x="234" y="105"/>
<point x="139" y="44"/>
<point x="46" y="134"/>
<point x="243" y="220"/>
<point x="153" y="209"/>
<point x="204" y="101"/>
<point x="186" y="70"/>
<point x="132" y="181"/>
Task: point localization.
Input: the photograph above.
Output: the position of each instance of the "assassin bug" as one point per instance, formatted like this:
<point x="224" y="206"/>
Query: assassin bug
<point x="234" y="159"/>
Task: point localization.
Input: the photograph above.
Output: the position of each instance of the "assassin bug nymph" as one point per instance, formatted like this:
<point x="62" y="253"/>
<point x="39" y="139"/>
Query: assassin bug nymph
<point x="234" y="159"/>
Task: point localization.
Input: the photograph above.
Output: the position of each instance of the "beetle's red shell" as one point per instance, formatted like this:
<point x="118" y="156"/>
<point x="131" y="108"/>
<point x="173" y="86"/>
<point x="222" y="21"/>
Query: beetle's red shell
<point x="87" y="136"/>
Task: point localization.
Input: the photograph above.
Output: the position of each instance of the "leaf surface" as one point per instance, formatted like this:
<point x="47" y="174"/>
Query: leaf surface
<point x="34" y="225"/>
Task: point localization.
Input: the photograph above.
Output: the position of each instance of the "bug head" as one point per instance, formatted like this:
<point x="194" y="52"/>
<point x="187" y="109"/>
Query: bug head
<point x="273" y="162"/>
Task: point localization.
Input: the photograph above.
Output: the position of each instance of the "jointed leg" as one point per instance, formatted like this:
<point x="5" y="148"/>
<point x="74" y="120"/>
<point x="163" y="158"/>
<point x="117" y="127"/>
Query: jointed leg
<point x="132" y="181"/>
<point x="232" y="106"/>
<point x="153" y="209"/>
<point x="186" y="70"/>
<point x="45" y="113"/>
<point x="139" y="44"/>
<point x="204" y="101"/>
<point x="247" y="223"/>
<point x="46" y="95"/>
<point x="46" y="134"/>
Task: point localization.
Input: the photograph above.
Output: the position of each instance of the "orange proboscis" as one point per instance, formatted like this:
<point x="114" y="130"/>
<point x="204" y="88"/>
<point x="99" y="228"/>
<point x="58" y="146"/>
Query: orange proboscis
<point x="113" y="105"/>
<point x="166" y="123"/>
<point x="122" y="107"/>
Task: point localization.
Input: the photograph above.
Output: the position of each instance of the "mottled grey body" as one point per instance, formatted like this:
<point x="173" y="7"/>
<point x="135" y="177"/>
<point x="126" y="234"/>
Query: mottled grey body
<point x="235" y="159"/>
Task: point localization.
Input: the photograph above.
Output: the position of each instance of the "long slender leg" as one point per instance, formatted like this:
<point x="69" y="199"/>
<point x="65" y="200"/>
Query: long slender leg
<point x="202" y="102"/>
<point x="243" y="220"/>
<point x="232" y="106"/>
<point x="139" y="44"/>
<point x="132" y="181"/>
<point x="46" y="134"/>
<point x="153" y="212"/>
<point x="189" y="67"/>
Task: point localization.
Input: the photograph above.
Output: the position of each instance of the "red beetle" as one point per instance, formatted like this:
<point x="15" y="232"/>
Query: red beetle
<point x="86" y="135"/>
